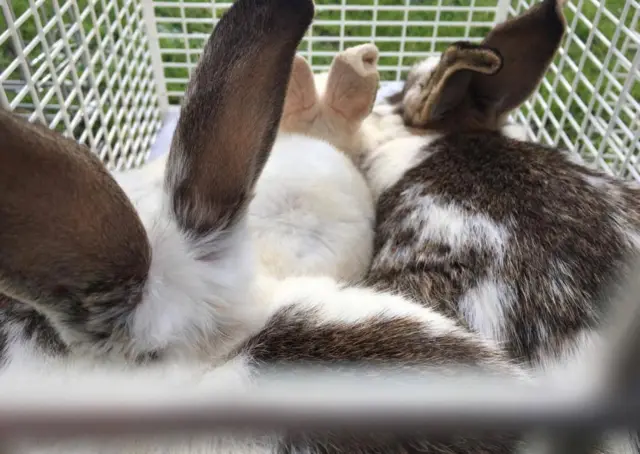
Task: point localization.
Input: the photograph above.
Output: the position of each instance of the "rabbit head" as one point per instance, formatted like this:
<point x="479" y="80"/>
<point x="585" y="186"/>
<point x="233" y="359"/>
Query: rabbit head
<point x="475" y="86"/>
<point x="333" y="105"/>
<point x="73" y="248"/>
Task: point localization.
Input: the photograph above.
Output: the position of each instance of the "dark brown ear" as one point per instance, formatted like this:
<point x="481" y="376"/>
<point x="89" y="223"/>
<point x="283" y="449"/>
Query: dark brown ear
<point x="475" y="86"/>
<point x="353" y="82"/>
<point x="445" y="91"/>
<point x="301" y="102"/>
<point x="71" y="244"/>
<point x="231" y="112"/>
<point x="527" y="44"/>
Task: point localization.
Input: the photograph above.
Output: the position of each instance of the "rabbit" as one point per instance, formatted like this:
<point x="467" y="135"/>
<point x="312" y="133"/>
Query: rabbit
<point x="519" y="241"/>
<point x="302" y="222"/>
<point x="319" y="221"/>
<point x="88" y="285"/>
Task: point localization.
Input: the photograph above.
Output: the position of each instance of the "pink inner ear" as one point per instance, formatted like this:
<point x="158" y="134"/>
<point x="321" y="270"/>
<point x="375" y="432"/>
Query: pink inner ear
<point x="353" y="82"/>
<point x="302" y="96"/>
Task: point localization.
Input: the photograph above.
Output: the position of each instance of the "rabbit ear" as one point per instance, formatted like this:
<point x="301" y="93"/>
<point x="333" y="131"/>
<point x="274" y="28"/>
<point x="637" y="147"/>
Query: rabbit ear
<point x="474" y="86"/>
<point x="301" y="102"/>
<point x="231" y="112"/>
<point x="527" y="44"/>
<point x="71" y="244"/>
<point x="353" y="82"/>
<point x="445" y="90"/>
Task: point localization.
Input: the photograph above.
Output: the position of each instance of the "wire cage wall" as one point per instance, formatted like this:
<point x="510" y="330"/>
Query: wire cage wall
<point x="106" y="71"/>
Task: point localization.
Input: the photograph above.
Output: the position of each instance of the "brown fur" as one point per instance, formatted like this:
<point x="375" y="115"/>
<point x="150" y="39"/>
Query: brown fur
<point x="69" y="237"/>
<point x="293" y="336"/>
<point x="218" y="153"/>
<point x="468" y="92"/>
<point x="554" y="216"/>
<point x="71" y="245"/>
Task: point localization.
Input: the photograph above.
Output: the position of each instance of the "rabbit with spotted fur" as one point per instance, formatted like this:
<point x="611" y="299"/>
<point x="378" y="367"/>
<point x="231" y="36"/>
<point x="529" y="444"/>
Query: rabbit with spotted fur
<point x="88" y="285"/>
<point x="519" y="241"/>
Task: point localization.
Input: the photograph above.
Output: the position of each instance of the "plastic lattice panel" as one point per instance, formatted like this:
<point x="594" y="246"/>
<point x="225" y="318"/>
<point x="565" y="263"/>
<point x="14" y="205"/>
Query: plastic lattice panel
<point x="404" y="31"/>
<point x="83" y="68"/>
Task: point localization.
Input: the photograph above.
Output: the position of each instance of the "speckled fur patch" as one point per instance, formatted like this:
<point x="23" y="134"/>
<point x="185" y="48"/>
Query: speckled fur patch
<point x="564" y="235"/>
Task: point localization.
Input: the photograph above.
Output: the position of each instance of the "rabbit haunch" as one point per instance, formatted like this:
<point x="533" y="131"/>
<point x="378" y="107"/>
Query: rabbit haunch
<point x="519" y="241"/>
<point x="197" y="309"/>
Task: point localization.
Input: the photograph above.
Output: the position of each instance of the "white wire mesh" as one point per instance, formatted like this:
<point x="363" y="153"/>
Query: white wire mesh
<point x="405" y="31"/>
<point x="589" y="101"/>
<point x="56" y="56"/>
<point x="83" y="68"/>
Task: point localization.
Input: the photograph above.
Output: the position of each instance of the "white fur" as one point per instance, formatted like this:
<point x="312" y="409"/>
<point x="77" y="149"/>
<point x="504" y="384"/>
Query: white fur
<point x="144" y="185"/>
<point x="191" y="301"/>
<point x="387" y="164"/>
<point x="335" y="304"/>
<point x="312" y="213"/>
<point x="443" y="222"/>
<point x="457" y="226"/>
<point x="198" y="292"/>
<point x="515" y="131"/>
<point x="382" y="126"/>
<point x="485" y="307"/>
<point x="311" y="206"/>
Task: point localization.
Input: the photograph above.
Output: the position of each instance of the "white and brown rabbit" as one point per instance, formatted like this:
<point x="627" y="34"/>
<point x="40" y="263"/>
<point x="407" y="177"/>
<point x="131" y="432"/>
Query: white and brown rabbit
<point x="311" y="202"/>
<point x="86" y="283"/>
<point x="517" y="240"/>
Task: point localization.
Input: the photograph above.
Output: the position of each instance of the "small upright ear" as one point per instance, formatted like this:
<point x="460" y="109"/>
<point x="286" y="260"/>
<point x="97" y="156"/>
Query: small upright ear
<point x="353" y="82"/>
<point x="71" y="244"/>
<point x="231" y="112"/>
<point x="301" y="102"/>
<point x="527" y="44"/>
<point x="434" y="95"/>
<point x="475" y="86"/>
<point x="448" y="85"/>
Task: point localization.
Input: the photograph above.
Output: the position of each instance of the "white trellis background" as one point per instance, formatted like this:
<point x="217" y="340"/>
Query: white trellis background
<point x="107" y="72"/>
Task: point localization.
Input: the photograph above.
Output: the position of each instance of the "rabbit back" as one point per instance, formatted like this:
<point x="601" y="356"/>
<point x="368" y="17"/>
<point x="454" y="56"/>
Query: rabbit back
<point x="513" y="237"/>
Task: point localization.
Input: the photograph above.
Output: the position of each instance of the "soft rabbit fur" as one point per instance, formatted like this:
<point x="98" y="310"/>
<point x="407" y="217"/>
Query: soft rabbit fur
<point x="519" y="241"/>
<point x="389" y="141"/>
<point x="312" y="204"/>
<point x="86" y="282"/>
<point x="313" y="212"/>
